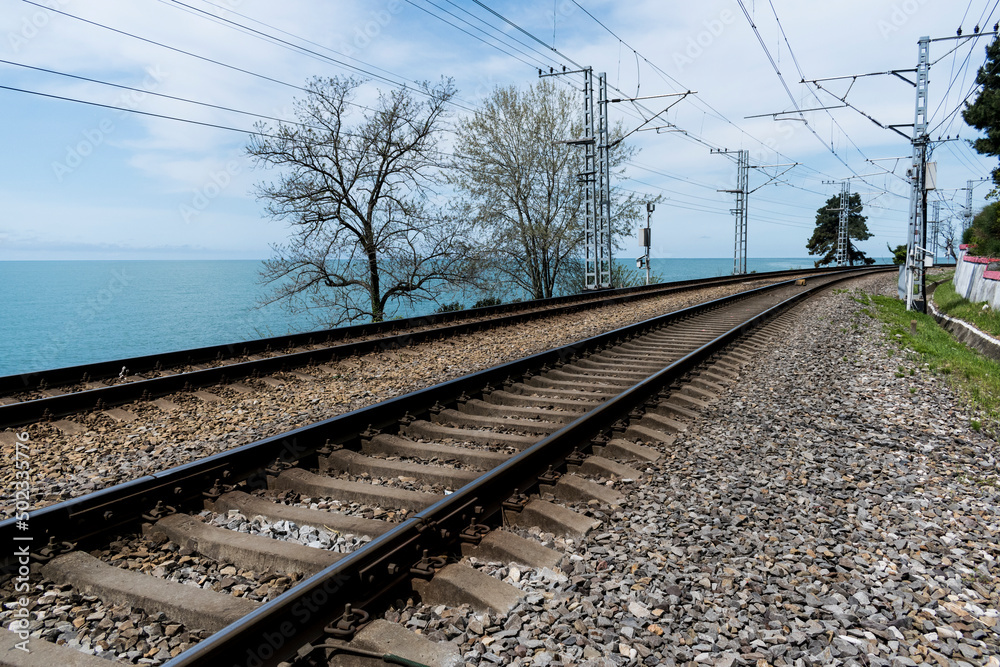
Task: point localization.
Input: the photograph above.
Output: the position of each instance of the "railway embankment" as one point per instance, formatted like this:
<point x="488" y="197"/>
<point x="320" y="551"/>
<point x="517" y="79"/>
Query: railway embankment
<point x="101" y="448"/>
<point x="832" y="505"/>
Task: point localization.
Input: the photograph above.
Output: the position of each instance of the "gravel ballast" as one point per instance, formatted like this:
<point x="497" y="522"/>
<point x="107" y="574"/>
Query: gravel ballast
<point x="828" y="509"/>
<point x="109" y="452"/>
<point x="832" y="507"/>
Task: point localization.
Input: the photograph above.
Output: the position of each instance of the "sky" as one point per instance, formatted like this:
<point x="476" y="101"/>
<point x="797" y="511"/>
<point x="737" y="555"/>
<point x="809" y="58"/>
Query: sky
<point x="84" y="181"/>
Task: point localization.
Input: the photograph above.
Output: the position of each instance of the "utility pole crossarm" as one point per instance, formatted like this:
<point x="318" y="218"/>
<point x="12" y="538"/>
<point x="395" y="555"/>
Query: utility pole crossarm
<point x="651" y="118"/>
<point x="782" y="113"/>
<point x="789" y="165"/>
<point x="857" y="76"/>
<point x="854" y="108"/>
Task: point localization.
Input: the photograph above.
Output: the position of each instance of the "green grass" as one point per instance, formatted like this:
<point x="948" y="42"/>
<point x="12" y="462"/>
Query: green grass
<point x="979" y="481"/>
<point x="975" y="377"/>
<point x="948" y="301"/>
<point x="937" y="275"/>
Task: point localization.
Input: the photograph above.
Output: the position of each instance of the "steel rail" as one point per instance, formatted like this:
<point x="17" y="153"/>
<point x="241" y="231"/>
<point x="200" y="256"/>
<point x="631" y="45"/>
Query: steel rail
<point x="115" y="507"/>
<point x="70" y="375"/>
<point x="276" y="631"/>
<point x="433" y="528"/>
<point x="26" y="412"/>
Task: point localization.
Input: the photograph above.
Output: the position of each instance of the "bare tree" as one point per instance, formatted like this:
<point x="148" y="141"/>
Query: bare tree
<point x="355" y="187"/>
<point x="520" y="181"/>
<point x="946" y="237"/>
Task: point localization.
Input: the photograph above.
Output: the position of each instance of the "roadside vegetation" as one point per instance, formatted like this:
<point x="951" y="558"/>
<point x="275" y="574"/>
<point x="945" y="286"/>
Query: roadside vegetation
<point x="984" y="232"/>
<point x="949" y="302"/>
<point x="973" y="376"/>
<point x="381" y="219"/>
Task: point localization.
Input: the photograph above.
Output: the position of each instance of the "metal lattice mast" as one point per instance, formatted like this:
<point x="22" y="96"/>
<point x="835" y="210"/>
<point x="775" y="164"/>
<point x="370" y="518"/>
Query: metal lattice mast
<point x="967" y="221"/>
<point x="603" y="189"/>
<point x="967" y="213"/>
<point x="916" y="238"/>
<point x="936" y="228"/>
<point x="740" y="212"/>
<point x="589" y="182"/>
<point x="843" y="251"/>
<point x="595" y="178"/>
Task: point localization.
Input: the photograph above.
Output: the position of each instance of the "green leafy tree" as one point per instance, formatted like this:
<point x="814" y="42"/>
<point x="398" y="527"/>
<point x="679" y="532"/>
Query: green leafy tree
<point x="824" y="239"/>
<point x="898" y="254"/>
<point x="983" y="113"/>
<point x="984" y="232"/>
<point x="519" y="180"/>
<point x="354" y="184"/>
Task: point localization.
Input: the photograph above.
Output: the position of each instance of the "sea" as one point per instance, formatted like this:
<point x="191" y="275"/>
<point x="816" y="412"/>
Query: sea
<point x="55" y="314"/>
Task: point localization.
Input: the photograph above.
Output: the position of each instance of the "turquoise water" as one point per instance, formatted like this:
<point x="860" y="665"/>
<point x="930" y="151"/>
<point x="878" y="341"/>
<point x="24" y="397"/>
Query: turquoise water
<point x="64" y="313"/>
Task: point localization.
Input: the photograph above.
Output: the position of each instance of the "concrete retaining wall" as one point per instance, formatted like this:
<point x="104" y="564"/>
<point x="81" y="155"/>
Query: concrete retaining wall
<point x="976" y="282"/>
<point x="977" y="278"/>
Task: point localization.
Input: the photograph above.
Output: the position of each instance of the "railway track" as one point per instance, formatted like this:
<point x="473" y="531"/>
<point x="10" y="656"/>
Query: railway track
<point x="420" y="481"/>
<point x="63" y="392"/>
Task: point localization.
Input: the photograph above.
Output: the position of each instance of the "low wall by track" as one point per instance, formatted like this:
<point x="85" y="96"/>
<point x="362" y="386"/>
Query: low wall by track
<point x="976" y="282"/>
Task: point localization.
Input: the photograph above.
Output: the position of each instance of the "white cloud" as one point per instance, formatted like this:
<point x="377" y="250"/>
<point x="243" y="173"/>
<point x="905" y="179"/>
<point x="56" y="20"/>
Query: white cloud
<point x="708" y="46"/>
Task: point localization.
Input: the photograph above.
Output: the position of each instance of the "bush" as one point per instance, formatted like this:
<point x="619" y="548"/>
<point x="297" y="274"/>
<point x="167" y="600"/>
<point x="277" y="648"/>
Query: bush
<point x="450" y="307"/>
<point x="898" y="253"/>
<point x="984" y="232"/>
<point x="967" y="235"/>
<point x="625" y="276"/>
<point x="488" y="301"/>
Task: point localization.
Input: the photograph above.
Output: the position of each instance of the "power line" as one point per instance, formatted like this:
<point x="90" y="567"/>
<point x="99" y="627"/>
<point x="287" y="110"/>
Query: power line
<point x="802" y="77"/>
<point x="528" y="34"/>
<point x="784" y="85"/>
<point x="544" y="54"/>
<point x="310" y="52"/>
<point x="284" y="42"/>
<point x="169" y="48"/>
<point x="218" y="62"/>
<point x="463" y="30"/>
<point x="135" y="111"/>
<point x="190" y="121"/>
<point x="152" y="93"/>
<point x="298" y="37"/>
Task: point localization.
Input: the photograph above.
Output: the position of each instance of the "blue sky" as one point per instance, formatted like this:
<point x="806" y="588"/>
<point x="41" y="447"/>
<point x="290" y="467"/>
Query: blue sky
<point x="85" y="182"/>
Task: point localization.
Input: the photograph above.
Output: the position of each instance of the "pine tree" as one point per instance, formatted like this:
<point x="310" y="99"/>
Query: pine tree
<point x="984" y="113"/>
<point x="824" y="238"/>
